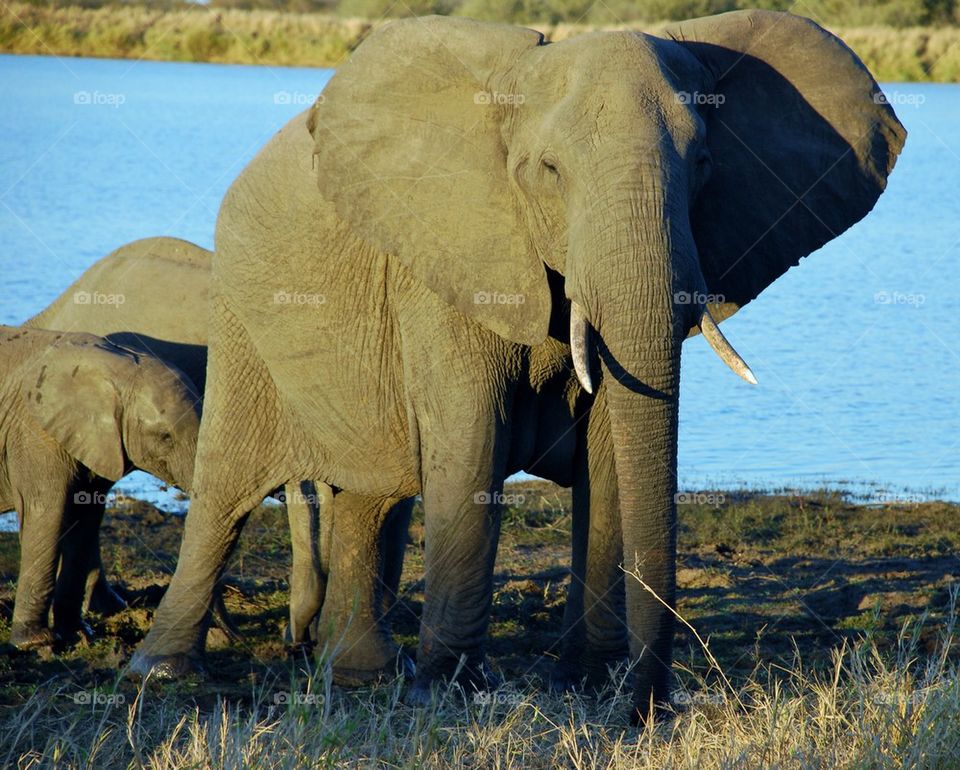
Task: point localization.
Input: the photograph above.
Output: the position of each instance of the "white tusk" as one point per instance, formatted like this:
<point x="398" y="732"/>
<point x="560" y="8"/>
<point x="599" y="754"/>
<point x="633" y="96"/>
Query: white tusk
<point x="724" y="349"/>
<point x="580" y="345"/>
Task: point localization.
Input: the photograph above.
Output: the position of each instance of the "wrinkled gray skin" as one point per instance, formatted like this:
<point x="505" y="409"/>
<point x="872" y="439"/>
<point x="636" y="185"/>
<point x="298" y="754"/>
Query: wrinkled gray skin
<point x="76" y="413"/>
<point x="152" y="296"/>
<point x="149" y="296"/>
<point x="464" y="186"/>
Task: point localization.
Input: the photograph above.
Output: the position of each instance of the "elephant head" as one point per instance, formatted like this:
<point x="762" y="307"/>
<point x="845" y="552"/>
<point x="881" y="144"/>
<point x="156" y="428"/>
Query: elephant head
<point x="650" y="173"/>
<point x="113" y="409"/>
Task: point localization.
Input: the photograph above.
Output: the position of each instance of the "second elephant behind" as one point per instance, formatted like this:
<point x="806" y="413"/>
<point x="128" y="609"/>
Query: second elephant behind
<point x="152" y="295"/>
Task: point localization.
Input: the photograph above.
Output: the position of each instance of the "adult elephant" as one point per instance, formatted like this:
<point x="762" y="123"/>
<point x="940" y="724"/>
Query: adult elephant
<point x="465" y="187"/>
<point x="152" y="296"/>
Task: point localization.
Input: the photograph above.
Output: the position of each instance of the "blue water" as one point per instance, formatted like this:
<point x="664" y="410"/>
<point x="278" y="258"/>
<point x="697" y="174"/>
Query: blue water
<point x="855" y="350"/>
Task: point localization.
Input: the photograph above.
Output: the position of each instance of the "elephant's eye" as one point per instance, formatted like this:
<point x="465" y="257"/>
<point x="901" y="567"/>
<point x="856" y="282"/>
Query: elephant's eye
<point x="550" y="166"/>
<point x="166" y="437"/>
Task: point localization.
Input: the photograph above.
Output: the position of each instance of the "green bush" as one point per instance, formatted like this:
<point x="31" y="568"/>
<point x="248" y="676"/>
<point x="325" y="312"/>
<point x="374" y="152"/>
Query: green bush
<point x="894" y="13"/>
<point x="379" y="9"/>
<point x="915" y="53"/>
<point x="887" y="13"/>
<point x="207" y="44"/>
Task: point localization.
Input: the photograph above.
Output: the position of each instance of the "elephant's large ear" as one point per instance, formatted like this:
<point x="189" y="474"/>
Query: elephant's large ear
<point x="409" y="148"/>
<point x="72" y="394"/>
<point x="802" y="142"/>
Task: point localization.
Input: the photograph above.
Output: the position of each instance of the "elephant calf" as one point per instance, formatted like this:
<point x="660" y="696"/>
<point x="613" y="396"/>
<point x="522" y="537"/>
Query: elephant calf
<point x="77" y="412"/>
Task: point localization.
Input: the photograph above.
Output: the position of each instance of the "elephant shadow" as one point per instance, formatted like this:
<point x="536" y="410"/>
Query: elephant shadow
<point x="771" y="609"/>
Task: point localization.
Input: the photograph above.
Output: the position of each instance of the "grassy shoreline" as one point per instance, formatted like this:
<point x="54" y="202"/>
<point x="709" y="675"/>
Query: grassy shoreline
<point x="320" y="40"/>
<point x="831" y="630"/>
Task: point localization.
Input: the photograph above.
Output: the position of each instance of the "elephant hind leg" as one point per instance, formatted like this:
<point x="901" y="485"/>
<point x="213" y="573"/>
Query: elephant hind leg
<point x="310" y="515"/>
<point x="393" y="548"/>
<point x="352" y="628"/>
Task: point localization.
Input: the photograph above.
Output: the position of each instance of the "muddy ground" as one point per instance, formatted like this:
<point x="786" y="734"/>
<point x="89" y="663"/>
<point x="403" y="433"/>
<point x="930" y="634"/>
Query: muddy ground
<point x="761" y="577"/>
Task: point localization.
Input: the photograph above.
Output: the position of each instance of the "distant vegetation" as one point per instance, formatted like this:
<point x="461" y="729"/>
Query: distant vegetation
<point x="900" y="40"/>
<point x="892" y="13"/>
<point x="180" y="34"/>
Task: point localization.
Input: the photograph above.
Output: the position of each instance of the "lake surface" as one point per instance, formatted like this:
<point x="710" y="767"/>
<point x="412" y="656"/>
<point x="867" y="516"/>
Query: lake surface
<point x="856" y="350"/>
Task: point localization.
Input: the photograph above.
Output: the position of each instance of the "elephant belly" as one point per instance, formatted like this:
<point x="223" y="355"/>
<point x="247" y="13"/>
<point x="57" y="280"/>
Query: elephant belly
<point x="346" y="447"/>
<point x="544" y="431"/>
<point x="331" y="352"/>
<point x="6" y="495"/>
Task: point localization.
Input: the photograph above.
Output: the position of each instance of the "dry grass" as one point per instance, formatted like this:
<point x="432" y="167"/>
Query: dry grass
<point x="867" y="710"/>
<point x="319" y="40"/>
<point x="829" y="630"/>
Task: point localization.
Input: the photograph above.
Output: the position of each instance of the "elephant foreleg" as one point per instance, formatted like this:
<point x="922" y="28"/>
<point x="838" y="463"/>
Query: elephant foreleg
<point x="41" y="529"/>
<point x="239" y="462"/>
<point x="595" y="632"/>
<point x="98" y="595"/>
<point x="462" y="488"/>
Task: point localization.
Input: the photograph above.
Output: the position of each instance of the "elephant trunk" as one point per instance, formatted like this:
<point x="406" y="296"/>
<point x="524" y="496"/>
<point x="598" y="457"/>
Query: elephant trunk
<point x="161" y="422"/>
<point x="643" y="423"/>
<point x="181" y="469"/>
<point x="627" y="293"/>
<point x="631" y="269"/>
<point x="186" y="431"/>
